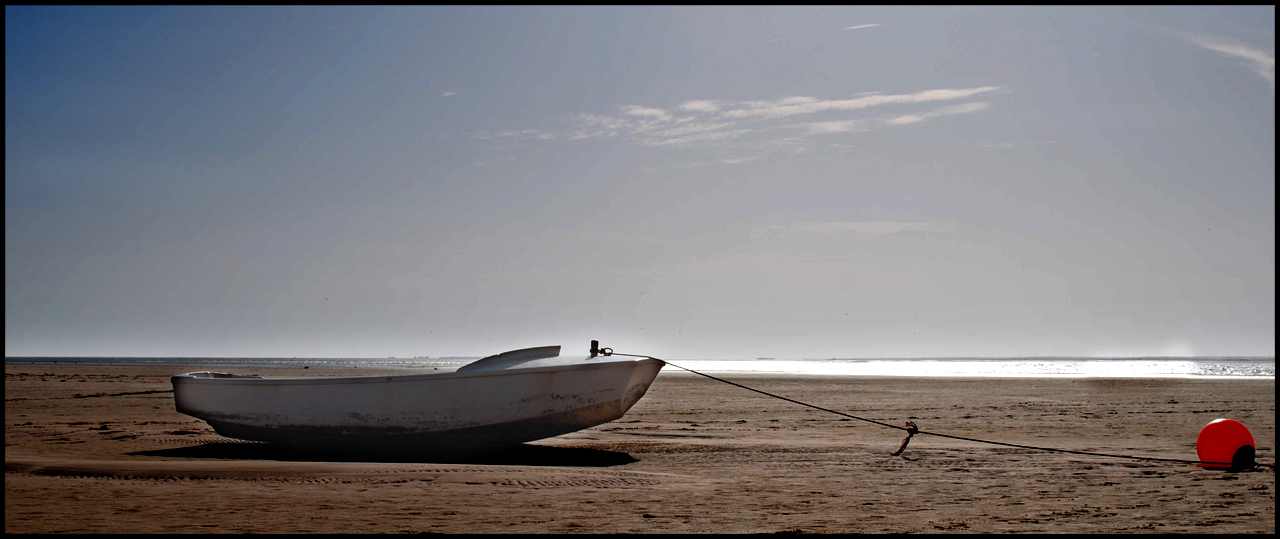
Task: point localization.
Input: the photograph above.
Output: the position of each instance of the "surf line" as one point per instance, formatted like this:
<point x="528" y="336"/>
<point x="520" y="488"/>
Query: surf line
<point x="912" y="429"/>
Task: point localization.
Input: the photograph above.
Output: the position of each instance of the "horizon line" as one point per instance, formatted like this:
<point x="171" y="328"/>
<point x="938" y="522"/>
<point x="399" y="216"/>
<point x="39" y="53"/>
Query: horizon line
<point x="1271" y="357"/>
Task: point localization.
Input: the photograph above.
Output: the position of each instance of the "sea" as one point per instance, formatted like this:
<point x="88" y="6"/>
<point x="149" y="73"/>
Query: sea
<point x="1002" y="367"/>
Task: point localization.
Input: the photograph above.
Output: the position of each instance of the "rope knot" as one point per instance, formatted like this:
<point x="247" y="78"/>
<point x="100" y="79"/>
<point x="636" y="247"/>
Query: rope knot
<point x="912" y="430"/>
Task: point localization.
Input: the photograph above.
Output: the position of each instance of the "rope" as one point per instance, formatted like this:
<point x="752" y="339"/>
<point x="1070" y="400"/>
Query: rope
<point x="911" y="427"/>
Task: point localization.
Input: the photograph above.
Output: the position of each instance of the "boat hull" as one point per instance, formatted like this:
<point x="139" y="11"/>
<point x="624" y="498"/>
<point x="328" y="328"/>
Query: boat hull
<point x="445" y="412"/>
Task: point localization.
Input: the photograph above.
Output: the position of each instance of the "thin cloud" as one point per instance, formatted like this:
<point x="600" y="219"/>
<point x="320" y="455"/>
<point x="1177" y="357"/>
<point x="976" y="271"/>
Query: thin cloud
<point x="596" y="126"/>
<point x="700" y="106"/>
<point x="1261" y="61"/>
<point x="657" y="114"/>
<point x="964" y="108"/>
<point x="860" y="26"/>
<point x="847" y="126"/>
<point x="824" y="128"/>
<point x="690" y="129"/>
<point x="752" y="124"/>
<point x="447" y="94"/>
<point x="792" y="105"/>
<point x="693" y="138"/>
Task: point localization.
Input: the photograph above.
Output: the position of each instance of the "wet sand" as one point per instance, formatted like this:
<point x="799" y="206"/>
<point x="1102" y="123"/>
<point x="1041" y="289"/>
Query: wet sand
<point x="101" y="449"/>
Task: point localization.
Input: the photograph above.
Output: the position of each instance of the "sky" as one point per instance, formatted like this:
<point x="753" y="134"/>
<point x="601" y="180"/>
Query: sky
<point x="683" y="182"/>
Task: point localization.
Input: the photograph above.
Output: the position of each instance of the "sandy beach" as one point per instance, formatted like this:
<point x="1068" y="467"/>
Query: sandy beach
<point x="101" y="449"/>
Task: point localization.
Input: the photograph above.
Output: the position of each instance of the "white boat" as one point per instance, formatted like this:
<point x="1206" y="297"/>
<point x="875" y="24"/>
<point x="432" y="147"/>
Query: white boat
<point x="509" y="398"/>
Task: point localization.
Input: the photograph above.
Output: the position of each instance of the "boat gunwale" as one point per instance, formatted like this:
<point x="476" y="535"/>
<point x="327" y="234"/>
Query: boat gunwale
<point x="383" y="378"/>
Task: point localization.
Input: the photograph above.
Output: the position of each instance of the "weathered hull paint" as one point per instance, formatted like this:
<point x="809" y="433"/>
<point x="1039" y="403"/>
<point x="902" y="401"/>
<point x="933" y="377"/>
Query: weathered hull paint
<point x="445" y="412"/>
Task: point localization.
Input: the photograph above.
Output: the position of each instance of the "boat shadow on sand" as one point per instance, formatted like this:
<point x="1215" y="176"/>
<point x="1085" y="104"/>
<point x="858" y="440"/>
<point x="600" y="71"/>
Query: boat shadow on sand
<point x="515" y="455"/>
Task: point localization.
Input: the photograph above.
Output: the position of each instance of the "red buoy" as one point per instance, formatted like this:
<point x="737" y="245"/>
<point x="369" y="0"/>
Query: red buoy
<point x="1226" y="440"/>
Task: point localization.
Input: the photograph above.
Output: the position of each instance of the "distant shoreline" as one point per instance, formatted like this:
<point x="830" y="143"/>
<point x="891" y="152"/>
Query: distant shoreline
<point x="1208" y="367"/>
<point x="939" y="358"/>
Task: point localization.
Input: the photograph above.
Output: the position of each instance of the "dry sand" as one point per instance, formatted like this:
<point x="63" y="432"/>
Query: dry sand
<point x="101" y="449"/>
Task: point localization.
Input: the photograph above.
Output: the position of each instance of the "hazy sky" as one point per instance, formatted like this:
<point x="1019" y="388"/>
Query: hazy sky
<point x="686" y="182"/>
